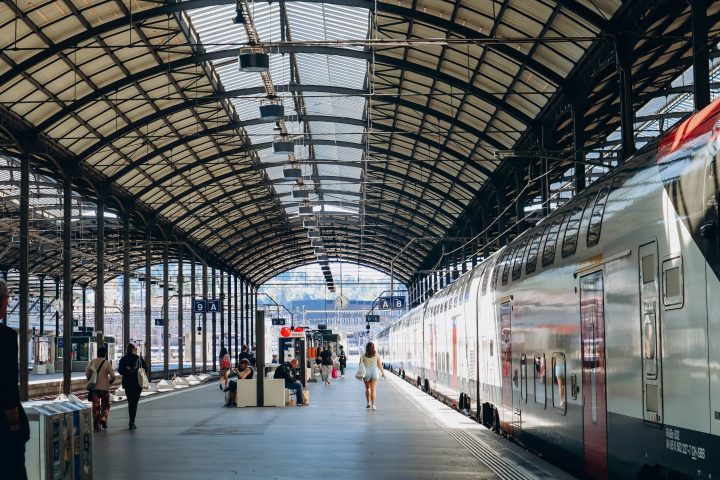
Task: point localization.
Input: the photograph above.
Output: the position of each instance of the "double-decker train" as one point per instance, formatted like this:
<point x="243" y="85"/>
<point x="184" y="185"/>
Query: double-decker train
<point x="594" y="337"/>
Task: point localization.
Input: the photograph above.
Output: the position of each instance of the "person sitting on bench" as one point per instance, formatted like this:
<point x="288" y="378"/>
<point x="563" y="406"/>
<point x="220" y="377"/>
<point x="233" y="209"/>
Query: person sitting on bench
<point x="285" y="371"/>
<point x="243" y="372"/>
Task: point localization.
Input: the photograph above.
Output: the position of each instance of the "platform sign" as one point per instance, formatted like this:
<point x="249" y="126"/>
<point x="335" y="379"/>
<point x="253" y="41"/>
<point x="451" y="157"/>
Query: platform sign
<point x="372" y="318"/>
<point x="213" y="306"/>
<point x="75" y="323"/>
<point x="391" y="303"/>
<point x="199" y="306"/>
<point x="278" y="321"/>
<point x="159" y="322"/>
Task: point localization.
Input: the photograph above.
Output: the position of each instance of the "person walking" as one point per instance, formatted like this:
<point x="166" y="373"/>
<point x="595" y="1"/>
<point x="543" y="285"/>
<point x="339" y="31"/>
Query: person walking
<point x="326" y="364"/>
<point x="100" y="370"/>
<point x="14" y="426"/>
<point x="342" y="360"/>
<point x="224" y="368"/>
<point x="373" y="371"/>
<point x="128" y="368"/>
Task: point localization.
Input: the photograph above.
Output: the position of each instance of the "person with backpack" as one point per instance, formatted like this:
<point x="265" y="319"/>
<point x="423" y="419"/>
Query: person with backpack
<point x="100" y="376"/>
<point x="129" y="368"/>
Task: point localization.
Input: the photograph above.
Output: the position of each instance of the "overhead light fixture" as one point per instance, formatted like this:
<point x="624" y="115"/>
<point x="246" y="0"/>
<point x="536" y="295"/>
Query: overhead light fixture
<point x="282" y="145"/>
<point x="316" y="242"/>
<point x="313" y="234"/>
<point x="292" y="173"/>
<point x="253" y="62"/>
<point x="239" y="16"/>
<point x="322" y="258"/>
<point x="272" y="110"/>
<point x="305" y="210"/>
<point x="301" y="193"/>
<point x="310" y="224"/>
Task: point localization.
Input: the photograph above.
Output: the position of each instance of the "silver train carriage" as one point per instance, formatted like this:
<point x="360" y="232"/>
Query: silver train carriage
<point x="589" y="337"/>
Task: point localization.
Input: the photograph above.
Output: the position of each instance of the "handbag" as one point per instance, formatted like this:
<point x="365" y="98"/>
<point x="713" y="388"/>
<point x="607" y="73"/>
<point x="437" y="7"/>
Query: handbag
<point x="90" y="385"/>
<point x="361" y="370"/>
<point x="334" y="372"/>
<point x="142" y="377"/>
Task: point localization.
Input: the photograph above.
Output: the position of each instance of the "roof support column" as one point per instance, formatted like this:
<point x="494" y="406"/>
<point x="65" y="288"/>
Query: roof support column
<point x="126" y="279"/>
<point x="57" y="310"/>
<point x="84" y="305"/>
<point x="254" y="309"/>
<point x="181" y="337"/>
<point x="148" y="299"/>
<point x="578" y="119"/>
<point x="67" y="283"/>
<point x="214" y="325"/>
<point x="166" y="311"/>
<point x="624" y="52"/>
<point x="42" y="303"/>
<point x="100" y="275"/>
<point x="701" y="60"/>
<point x="24" y="273"/>
<point x="222" y="309"/>
<point x="193" y="327"/>
<point x="204" y="319"/>
<point x="237" y="317"/>
<point x="229" y="313"/>
<point x="243" y="301"/>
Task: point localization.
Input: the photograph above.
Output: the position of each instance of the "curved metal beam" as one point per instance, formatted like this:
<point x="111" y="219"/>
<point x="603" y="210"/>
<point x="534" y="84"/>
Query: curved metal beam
<point x="230" y="174"/>
<point x="137" y="17"/>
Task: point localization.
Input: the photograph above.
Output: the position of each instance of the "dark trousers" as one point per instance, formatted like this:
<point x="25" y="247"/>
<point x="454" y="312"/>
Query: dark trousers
<point x="297" y="386"/>
<point x="133" y="396"/>
<point x="12" y="456"/>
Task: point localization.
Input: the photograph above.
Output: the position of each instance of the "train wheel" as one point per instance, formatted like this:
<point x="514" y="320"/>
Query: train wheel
<point x="418" y="382"/>
<point x="426" y="386"/>
<point x="496" y="421"/>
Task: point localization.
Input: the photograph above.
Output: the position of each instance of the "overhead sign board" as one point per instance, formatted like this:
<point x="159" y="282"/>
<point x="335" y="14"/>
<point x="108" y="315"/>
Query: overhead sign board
<point x="203" y="306"/>
<point x="391" y="303"/>
<point x="159" y="322"/>
<point x="372" y="318"/>
<point x="278" y="321"/>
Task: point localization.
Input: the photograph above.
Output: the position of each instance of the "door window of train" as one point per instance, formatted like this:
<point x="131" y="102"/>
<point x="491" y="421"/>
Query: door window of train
<point x="558" y="384"/>
<point x="539" y="376"/>
<point x="596" y="217"/>
<point x="523" y="377"/>
<point x="518" y="262"/>
<point x="532" y="255"/>
<point x="572" y="230"/>
<point x="550" y="242"/>
<point x="673" y="288"/>
<point x="486" y="279"/>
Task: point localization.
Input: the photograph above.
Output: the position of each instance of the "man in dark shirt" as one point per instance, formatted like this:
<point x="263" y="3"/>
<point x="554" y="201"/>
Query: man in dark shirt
<point x="14" y="428"/>
<point x="285" y="371"/>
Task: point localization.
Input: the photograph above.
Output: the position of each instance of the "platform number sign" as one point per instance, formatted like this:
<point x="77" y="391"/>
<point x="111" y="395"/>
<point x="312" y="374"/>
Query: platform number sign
<point x="205" y="306"/>
<point x="391" y="303"/>
<point x="278" y="321"/>
<point x="199" y="306"/>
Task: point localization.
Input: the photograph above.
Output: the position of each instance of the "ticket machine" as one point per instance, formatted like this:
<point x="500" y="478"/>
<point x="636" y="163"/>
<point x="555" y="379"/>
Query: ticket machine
<point x="293" y="346"/>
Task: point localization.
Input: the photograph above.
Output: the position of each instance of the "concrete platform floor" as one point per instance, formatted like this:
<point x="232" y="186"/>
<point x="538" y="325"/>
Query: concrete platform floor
<point x="189" y="435"/>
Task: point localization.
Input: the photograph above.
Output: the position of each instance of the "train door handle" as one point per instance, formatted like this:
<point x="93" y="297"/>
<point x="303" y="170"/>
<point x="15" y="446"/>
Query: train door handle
<point x="515" y="378"/>
<point x="574" y="387"/>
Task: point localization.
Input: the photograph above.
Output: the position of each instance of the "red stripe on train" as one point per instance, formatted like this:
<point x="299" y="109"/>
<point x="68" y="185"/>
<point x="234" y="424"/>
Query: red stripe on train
<point x="696" y="126"/>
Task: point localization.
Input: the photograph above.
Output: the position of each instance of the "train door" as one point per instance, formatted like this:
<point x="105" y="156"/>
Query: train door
<point x="506" y="416"/>
<point x="650" y="333"/>
<point x="592" y="328"/>
<point x="672" y="270"/>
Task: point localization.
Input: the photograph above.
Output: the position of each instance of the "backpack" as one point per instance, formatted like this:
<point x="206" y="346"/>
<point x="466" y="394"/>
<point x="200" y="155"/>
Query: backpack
<point x="90" y="385"/>
<point x="225" y="364"/>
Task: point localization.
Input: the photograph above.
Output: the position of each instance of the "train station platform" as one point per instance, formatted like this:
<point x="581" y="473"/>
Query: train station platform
<point x="189" y="435"/>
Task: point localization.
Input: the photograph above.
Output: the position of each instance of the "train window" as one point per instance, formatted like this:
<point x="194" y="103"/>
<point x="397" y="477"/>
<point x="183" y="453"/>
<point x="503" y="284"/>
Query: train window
<point x="539" y="376"/>
<point x="673" y="289"/>
<point x="508" y="265"/>
<point x="558" y="385"/>
<point x="572" y="229"/>
<point x="518" y="262"/>
<point x="648" y="268"/>
<point x="550" y="242"/>
<point x="596" y="217"/>
<point x="500" y="265"/>
<point x="523" y="377"/>
<point x="532" y="255"/>
<point x="486" y="279"/>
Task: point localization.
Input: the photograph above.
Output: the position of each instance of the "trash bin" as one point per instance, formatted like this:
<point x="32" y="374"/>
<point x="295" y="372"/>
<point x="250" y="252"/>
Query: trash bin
<point x="60" y="445"/>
